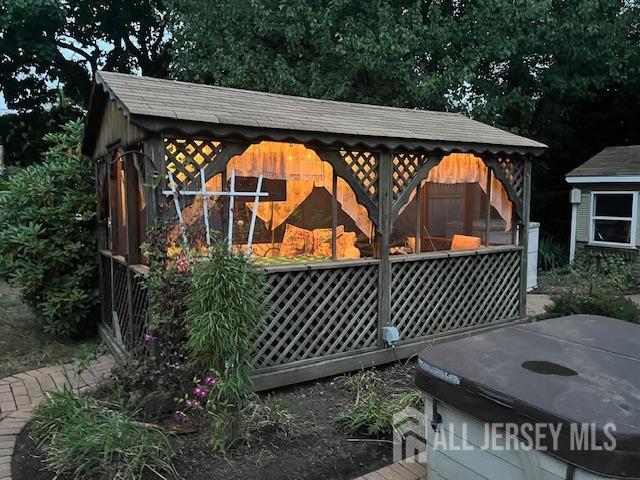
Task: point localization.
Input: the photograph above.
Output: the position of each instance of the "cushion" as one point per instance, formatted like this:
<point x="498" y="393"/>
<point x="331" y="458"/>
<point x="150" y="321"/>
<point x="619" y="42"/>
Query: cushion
<point x="322" y="240"/>
<point x="464" y="242"/>
<point x="296" y="241"/>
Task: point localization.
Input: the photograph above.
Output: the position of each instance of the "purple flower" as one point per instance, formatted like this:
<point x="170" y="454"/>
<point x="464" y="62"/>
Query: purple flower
<point x="210" y="380"/>
<point x="149" y="338"/>
<point x="193" y="403"/>
<point x="180" y="417"/>
<point x="200" y="392"/>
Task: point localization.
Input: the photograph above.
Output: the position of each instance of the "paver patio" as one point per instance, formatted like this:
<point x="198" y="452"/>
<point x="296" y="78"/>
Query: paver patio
<point x="20" y="393"/>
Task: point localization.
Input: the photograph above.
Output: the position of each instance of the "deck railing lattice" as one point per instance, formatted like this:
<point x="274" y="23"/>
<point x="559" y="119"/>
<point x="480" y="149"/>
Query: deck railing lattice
<point x="316" y="313"/>
<point x="431" y="296"/>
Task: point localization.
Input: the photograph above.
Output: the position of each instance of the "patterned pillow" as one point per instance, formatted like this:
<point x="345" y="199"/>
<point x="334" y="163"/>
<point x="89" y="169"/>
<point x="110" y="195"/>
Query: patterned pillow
<point x="322" y="240"/>
<point x="296" y="241"/>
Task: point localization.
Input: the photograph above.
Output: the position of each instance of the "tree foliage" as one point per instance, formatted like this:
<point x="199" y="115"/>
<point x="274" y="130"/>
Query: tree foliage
<point x="565" y="72"/>
<point x="44" y="42"/>
<point x="47" y="235"/>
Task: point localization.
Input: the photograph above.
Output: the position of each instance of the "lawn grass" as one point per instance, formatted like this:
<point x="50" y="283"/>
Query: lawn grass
<point x="23" y="346"/>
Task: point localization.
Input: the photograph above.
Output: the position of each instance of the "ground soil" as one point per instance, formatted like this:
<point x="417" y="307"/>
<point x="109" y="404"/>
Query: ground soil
<point x="316" y="449"/>
<point x="23" y="345"/>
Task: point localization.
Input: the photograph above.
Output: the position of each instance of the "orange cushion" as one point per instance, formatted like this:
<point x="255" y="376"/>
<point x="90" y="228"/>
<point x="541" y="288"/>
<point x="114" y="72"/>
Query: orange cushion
<point x="322" y="240"/>
<point x="296" y="241"/>
<point x="465" y="242"/>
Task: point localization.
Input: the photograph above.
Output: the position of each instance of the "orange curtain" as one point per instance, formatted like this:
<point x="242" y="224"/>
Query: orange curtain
<point x="467" y="168"/>
<point x="303" y="170"/>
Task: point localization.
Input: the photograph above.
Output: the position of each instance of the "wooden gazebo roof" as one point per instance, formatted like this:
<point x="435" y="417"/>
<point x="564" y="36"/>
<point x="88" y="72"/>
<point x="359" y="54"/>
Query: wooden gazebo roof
<point x="170" y="106"/>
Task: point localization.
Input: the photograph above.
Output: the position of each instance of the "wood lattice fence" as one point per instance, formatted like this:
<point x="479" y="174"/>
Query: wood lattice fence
<point x="330" y="310"/>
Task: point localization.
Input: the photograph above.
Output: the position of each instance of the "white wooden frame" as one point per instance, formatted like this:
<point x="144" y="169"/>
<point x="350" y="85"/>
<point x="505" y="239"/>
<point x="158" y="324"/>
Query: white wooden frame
<point x="633" y="219"/>
<point x="205" y="194"/>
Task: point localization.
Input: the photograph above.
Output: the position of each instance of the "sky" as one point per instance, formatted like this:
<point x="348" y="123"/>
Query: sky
<point x="3" y="105"/>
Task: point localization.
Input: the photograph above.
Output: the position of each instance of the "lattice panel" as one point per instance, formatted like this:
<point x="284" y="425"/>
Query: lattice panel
<point x="405" y="167"/>
<point x="183" y="158"/>
<point x="364" y="167"/>
<point x="315" y="313"/>
<point x="120" y="298"/>
<point x="431" y="296"/>
<point x="105" y="290"/>
<point x="139" y="317"/>
<point x="514" y="171"/>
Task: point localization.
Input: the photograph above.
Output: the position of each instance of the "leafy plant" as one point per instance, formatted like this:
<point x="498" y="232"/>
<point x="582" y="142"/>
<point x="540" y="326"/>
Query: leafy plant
<point x="47" y="235"/>
<point x="224" y="307"/>
<point x="551" y="253"/>
<point x="371" y="413"/>
<point x="591" y="272"/>
<point x="570" y="303"/>
<point x="84" y="437"/>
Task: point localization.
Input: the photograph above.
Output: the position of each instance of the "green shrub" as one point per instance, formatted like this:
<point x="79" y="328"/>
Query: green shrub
<point x="615" y="306"/>
<point x="591" y="272"/>
<point x="47" y="235"/>
<point x="551" y="253"/>
<point x="224" y="307"/>
<point x="85" y="438"/>
<point x="372" y="413"/>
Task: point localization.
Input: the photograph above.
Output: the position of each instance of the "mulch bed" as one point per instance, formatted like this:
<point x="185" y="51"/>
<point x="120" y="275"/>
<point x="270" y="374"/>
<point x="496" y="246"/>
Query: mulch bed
<point x="316" y="449"/>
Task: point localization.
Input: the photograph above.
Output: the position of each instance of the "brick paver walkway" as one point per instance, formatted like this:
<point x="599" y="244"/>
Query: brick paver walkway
<point x="408" y="469"/>
<point x="21" y="392"/>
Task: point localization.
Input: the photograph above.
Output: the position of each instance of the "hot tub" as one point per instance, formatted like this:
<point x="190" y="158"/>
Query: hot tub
<point x="557" y="399"/>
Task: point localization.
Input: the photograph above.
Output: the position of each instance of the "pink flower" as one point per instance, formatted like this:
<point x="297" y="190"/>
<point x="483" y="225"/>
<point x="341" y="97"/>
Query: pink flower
<point x="183" y="265"/>
<point x="200" y="392"/>
<point x="149" y="338"/>
<point x="210" y="380"/>
<point x="180" y="417"/>
<point x="192" y="403"/>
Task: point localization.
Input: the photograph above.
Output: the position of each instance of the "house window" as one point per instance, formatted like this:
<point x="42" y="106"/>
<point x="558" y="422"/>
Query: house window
<point x="613" y="218"/>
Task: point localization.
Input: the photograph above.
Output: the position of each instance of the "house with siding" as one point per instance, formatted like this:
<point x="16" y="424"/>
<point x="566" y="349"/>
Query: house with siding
<point x="604" y="202"/>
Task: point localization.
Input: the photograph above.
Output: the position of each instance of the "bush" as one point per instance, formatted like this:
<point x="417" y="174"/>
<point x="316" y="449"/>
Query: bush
<point x="47" y="235"/>
<point x="591" y="272"/>
<point x="615" y="306"/>
<point x="224" y="307"/>
<point x="551" y="253"/>
<point x="84" y="437"/>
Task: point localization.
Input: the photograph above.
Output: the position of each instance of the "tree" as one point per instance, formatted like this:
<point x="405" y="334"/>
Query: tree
<point x="44" y="43"/>
<point x="364" y="51"/>
<point x="537" y="68"/>
<point x="23" y="134"/>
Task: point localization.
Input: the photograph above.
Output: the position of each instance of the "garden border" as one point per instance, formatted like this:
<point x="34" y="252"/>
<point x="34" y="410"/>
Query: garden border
<point x="20" y="394"/>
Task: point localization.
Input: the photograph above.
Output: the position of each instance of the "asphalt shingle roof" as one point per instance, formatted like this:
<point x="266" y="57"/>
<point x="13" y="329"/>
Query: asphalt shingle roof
<point x="611" y="162"/>
<point x="169" y="99"/>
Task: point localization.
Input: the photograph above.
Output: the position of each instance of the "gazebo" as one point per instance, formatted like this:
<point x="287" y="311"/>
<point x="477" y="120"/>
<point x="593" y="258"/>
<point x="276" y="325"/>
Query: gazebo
<point x="374" y="216"/>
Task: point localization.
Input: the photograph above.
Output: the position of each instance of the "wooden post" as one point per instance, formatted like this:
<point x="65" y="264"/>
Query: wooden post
<point x="487" y="233"/>
<point x="334" y="216"/>
<point x="154" y="176"/>
<point x="524" y="235"/>
<point x="132" y="202"/>
<point x="384" y="272"/>
<point x="417" y="248"/>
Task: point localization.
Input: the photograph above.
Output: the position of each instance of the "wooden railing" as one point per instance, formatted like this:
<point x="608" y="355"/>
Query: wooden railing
<point x="323" y="317"/>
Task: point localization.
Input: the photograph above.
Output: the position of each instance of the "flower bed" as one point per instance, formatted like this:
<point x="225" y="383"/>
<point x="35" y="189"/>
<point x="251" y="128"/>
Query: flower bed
<point x="314" y="446"/>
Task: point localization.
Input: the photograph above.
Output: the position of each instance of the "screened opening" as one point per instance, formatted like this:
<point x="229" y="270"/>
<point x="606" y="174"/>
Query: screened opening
<point x="613" y="218"/>
<point x="310" y="214"/>
<point x="460" y="206"/>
